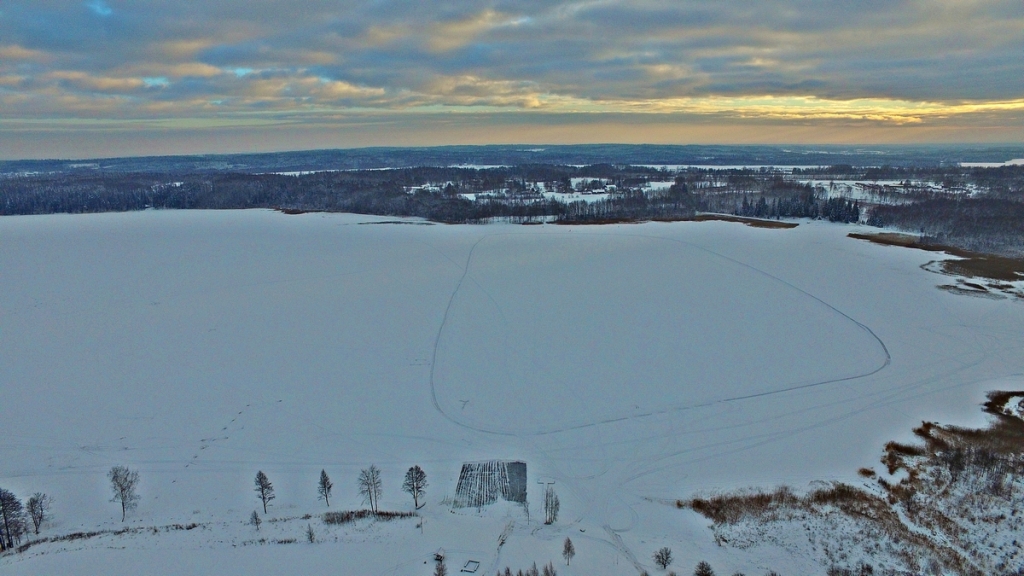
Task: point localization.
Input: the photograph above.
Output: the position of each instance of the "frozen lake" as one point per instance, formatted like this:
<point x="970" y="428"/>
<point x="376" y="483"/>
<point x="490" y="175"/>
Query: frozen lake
<point x="628" y="364"/>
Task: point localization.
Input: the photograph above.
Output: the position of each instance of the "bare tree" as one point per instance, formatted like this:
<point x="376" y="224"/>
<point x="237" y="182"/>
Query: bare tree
<point x="568" y="551"/>
<point x="264" y="489"/>
<point x="551" y="506"/>
<point x="441" y="569"/>
<point x="39" y="509"/>
<point x="310" y="534"/>
<point x="549" y="570"/>
<point x="11" y="514"/>
<point x="124" y="483"/>
<point x="254" y="519"/>
<point x="370" y="486"/>
<point x="415" y="482"/>
<point x="323" y="488"/>
<point x="663" y="557"/>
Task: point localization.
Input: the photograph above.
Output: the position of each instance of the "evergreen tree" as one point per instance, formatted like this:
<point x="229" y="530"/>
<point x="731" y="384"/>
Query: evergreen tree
<point x="568" y="551"/>
<point x="324" y="487"/>
<point x="264" y="489"/>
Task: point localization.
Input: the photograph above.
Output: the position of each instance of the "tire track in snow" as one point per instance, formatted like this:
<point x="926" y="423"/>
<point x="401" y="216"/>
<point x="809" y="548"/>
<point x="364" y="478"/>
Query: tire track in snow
<point x="671" y="409"/>
<point x="624" y="550"/>
<point x="615" y="539"/>
<point x="437" y="343"/>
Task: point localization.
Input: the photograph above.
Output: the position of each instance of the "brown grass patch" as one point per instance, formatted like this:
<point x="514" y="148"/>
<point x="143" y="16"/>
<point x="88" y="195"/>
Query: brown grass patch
<point x="986" y="266"/>
<point x="400" y="222"/>
<point x="73" y="536"/>
<point x="955" y="289"/>
<point x="755" y="222"/>
<point x="599" y="221"/>
<point x="731" y="508"/>
<point x="958" y="479"/>
<point x="296" y="211"/>
<point x="997" y="401"/>
<point x="971" y="265"/>
<point x="348" y="516"/>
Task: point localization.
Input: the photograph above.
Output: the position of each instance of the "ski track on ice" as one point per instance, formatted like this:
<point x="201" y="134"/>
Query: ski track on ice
<point x="465" y="273"/>
<point x="615" y="539"/>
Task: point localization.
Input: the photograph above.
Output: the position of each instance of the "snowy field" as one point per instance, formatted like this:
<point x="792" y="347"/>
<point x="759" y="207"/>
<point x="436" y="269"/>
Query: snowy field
<point x="629" y="365"/>
<point x="1014" y="162"/>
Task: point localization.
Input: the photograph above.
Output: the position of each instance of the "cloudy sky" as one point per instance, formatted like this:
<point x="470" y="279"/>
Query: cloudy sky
<point x="114" y="77"/>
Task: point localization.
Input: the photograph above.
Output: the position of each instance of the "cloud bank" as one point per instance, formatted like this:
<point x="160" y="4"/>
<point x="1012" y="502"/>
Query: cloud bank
<point x="386" y="71"/>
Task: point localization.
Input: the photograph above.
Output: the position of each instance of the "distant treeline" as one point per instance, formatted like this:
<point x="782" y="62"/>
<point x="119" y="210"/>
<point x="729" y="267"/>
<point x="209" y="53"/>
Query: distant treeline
<point x="990" y="225"/>
<point x="432" y="193"/>
<point x="974" y="208"/>
<point x="998" y="182"/>
<point x="507" y="155"/>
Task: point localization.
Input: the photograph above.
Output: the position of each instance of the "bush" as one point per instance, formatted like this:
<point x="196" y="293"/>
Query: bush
<point x="703" y="569"/>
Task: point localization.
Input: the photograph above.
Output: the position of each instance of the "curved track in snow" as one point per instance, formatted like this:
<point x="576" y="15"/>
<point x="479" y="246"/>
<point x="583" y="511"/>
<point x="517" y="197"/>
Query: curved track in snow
<point x="647" y="414"/>
<point x="595" y="511"/>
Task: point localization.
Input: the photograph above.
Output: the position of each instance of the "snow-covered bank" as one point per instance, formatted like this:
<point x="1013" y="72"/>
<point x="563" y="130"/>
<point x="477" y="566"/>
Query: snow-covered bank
<point x="628" y="364"/>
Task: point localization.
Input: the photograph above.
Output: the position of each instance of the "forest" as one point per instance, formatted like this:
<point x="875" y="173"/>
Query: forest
<point x="979" y="209"/>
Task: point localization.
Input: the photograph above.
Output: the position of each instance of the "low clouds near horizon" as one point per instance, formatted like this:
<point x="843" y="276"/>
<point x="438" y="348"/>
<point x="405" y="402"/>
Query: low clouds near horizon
<point x="174" y="77"/>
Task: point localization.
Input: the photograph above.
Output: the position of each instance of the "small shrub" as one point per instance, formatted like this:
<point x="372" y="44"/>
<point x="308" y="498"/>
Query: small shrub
<point x="703" y="569"/>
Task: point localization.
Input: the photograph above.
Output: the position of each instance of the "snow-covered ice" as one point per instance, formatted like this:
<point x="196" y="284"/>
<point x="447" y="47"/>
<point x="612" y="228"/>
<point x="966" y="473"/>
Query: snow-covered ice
<point x="630" y="365"/>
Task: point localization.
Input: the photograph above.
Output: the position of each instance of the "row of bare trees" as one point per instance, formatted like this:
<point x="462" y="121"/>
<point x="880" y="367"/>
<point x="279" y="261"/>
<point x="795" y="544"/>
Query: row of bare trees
<point x="124" y="483"/>
<point x="369" y="484"/>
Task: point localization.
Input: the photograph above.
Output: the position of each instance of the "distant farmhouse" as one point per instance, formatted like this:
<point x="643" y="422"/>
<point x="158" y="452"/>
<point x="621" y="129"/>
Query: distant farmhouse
<point x="483" y="483"/>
